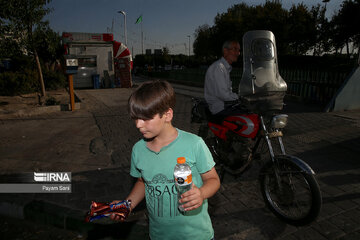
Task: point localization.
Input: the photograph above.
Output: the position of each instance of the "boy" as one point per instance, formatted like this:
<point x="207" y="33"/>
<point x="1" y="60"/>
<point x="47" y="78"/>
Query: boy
<point x="153" y="160"/>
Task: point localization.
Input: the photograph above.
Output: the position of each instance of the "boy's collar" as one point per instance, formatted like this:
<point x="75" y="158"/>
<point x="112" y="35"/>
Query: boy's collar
<point x="166" y="146"/>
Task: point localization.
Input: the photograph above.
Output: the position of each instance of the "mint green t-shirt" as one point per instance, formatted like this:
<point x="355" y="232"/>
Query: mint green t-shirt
<point x="157" y="171"/>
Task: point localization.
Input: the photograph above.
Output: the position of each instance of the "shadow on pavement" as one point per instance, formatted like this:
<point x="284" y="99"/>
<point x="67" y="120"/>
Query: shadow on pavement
<point x="249" y="224"/>
<point x="292" y="106"/>
<point x="333" y="157"/>
<point x="125" y="230"/>
<point x="338" y="180"/>
<point x="345" y="197"/>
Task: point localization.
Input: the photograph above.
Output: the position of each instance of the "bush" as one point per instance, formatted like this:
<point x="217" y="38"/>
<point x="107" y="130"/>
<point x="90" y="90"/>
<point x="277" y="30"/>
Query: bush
<point x="54" y="80"/>
<point x="14" y="83"/>
<point x="50" y="101"/>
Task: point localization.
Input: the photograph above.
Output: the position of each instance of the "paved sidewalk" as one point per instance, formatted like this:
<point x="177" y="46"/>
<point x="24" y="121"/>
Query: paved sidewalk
<point x="95" y="142"/>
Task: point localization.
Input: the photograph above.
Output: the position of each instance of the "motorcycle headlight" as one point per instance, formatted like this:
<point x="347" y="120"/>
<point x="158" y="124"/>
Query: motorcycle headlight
<point x="279" y="121"/>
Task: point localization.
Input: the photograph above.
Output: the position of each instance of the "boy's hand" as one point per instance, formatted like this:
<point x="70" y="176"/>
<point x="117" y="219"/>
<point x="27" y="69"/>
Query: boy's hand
<point x="116" y="217"/>
<point x="192" y="199"/>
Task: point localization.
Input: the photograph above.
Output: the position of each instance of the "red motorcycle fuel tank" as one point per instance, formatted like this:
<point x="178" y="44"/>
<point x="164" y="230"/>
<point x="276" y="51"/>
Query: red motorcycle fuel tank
<point x="245" y="125"/>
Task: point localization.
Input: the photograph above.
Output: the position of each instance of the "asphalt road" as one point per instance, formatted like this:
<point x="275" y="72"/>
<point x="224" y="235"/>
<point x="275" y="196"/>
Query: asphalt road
<point x="94" y="143"/>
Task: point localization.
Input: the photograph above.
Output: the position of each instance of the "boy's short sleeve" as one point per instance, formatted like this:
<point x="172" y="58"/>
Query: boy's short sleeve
<point x="134" y="171"/>
<point x="205" y="161"/>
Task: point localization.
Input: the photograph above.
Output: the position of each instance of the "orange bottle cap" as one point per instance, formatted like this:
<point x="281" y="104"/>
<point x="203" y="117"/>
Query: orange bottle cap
<point x="181" y="160"/>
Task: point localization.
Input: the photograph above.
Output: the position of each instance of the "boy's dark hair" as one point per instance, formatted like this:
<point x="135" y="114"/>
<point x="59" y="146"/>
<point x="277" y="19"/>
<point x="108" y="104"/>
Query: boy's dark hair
<point x="151" y="98"/>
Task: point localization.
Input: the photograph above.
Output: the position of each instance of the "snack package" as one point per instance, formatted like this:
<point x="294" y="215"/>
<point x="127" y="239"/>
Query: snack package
<point x="100" y="210"/>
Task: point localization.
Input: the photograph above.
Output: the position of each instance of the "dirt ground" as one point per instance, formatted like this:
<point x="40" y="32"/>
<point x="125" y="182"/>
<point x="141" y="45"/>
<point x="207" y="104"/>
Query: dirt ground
<point x="11" y="105"/>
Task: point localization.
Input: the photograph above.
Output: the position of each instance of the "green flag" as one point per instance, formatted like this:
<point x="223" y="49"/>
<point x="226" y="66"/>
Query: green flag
<point x="139" y="20"/>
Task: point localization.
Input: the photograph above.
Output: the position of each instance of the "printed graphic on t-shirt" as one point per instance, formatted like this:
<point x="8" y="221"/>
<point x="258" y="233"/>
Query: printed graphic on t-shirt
<point x="161" y="197"/>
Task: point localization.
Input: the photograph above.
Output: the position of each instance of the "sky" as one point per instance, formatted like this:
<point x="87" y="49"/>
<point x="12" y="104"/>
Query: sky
<point x="165" y="23"/>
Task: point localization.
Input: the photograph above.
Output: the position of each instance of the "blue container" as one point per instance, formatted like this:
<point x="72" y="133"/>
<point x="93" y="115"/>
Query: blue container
<point x="96" y="80"/>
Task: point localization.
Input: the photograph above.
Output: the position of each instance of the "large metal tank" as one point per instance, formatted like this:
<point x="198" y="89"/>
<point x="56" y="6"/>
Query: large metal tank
<point x="261" y="83"/>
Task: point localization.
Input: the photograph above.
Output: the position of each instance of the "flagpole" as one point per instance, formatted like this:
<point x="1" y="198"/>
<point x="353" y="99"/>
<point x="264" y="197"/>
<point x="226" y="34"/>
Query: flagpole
<point x="139" y="20"/>
<point x="142" y="40"/>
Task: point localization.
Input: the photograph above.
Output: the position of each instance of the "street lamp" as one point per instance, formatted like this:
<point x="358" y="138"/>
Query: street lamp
<point x="325" y="1"/>
<point x="189" y="44"/>
<point x="124" y="13"/>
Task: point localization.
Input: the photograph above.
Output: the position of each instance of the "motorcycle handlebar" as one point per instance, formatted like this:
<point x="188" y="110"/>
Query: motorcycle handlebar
<point x="239" y="103"/>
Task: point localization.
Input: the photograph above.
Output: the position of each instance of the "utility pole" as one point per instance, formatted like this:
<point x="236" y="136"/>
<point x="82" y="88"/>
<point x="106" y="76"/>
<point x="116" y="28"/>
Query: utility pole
<point x="139" y="20"/>
<point x="189" y="45"/>
<point x="142" y="39"/>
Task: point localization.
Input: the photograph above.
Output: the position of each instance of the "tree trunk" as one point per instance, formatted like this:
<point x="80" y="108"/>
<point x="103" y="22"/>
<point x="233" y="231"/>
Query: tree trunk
<point x="41" y="79"/>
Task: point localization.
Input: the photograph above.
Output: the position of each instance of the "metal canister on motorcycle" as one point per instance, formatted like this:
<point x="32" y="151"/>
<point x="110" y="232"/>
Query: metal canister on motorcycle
<point x="183" y="179"/>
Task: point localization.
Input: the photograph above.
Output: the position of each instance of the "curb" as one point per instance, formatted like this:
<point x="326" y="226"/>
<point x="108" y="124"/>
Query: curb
<point x="28" y="112"/>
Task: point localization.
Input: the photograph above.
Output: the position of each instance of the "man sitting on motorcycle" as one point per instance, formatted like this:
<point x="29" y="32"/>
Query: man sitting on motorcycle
<point x="218" y="85"/>
<point x="221" y="99"/>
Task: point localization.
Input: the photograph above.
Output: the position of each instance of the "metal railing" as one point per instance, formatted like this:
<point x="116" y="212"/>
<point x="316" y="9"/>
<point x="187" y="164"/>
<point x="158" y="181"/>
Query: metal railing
<point x="308" y="85"/>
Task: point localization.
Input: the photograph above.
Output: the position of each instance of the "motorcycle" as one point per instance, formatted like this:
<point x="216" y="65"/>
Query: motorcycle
<point x="288" y="184"/>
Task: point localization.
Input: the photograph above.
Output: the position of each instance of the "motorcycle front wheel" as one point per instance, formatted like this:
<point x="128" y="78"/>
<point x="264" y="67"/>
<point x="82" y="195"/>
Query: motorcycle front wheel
<point x="294" y="196"/>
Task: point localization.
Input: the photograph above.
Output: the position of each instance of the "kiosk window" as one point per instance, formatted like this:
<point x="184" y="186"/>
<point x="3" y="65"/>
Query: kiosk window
<point x="87" y="62"/>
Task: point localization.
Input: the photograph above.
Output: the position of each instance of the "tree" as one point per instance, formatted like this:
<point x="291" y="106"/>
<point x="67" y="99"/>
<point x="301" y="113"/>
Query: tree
<point x="297" y="31"/>
<point x="165" y="51"/>
<point x="346" y="25"/>
<point x="321" y="34"/>
<point x="21" y="18"/>
<point x="166" y="55"/>
<point x="48" y="44"/>
<point x="302" y="29"/>
<point x="239" y="19"/>
<point x="232" y="25"/>
<point x="272" y="16"/>
<point x="203" y="45"/>
<point x="9" y="48"/>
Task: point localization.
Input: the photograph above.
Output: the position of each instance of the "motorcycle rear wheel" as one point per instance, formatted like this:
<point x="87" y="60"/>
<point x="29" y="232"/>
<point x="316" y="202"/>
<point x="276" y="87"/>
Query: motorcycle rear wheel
<point x="297" y="200"/>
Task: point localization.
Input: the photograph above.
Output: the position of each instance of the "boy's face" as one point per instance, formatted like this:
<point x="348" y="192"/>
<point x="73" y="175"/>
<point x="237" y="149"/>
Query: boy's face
<point x="154" y="127"/>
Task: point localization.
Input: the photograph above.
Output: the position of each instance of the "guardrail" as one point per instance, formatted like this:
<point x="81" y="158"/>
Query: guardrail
<point x="317" y="86"/>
